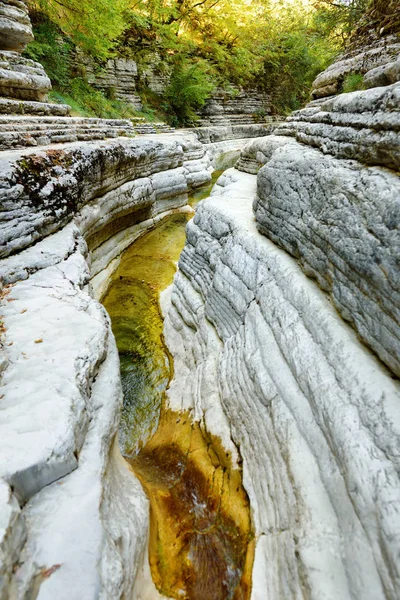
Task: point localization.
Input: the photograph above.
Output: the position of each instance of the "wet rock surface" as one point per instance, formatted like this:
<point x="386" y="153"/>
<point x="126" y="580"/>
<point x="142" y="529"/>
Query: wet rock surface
<point x="200" y="529"/>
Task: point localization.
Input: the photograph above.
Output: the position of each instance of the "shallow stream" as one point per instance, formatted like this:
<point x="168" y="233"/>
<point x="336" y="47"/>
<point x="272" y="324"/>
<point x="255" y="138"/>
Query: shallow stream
<point x="147" y="268"/>
<point x="201" y="544"/>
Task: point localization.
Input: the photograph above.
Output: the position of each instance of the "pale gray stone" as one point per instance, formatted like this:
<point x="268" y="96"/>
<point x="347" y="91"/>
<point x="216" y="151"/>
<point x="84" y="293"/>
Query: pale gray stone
<point x="258" y="152"/>
<point x="360" y="61"/>
<point x="342" y="221"/>
<point x="22" y="78"/>
<point x="15" y="25"/>
<point x="60" y="384"/>
<point x="362" y="125"/>
<point x="41" y="191"/>
<point x="263" y="360"/>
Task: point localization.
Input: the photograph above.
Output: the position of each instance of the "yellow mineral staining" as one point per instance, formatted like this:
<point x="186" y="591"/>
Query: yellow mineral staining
<point x="201" y="545"/>
<point x="132" y="301"/>
<point x="200" y="528"/>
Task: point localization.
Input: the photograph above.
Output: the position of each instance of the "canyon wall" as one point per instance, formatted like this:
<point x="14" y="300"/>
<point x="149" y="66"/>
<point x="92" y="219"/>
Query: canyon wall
<point x="20" y="78"/>
<point x="284" y="326"/>
<point x="74" y="520"/>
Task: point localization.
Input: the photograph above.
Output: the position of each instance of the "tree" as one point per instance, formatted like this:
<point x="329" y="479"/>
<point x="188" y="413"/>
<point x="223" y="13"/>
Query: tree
<point x="94" y="25"/>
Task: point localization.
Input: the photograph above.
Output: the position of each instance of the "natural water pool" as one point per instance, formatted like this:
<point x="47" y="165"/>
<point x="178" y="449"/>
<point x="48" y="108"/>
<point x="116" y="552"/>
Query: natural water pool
<point x="201" y="542"/>
<point x="147" y="267"/>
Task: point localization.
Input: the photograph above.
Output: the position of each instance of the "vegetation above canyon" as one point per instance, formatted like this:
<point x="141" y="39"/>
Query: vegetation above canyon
<point x="275" y="46"/>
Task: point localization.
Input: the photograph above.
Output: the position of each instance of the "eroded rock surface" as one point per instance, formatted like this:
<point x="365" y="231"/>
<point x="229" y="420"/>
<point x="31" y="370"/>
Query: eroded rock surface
<point x="380" y="54"/>
<point x="200" y="529"/>
<point x="264" y="361"/>
<point x="67" y="529"/>
<point x="15" y="25"/>
<point x="42" y="191"/>
<point x="362" y="125"/>
<point x="340" y="217"/>
<point x="236" y="107"/>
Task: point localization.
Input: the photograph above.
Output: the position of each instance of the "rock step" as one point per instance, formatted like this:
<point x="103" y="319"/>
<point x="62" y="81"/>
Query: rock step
<point x="67" y="121"/>
<point x="152" y="128"/>
<point x="22" y="131"/>
<point x="45" y="127"/>
<point x="233" y="119"/>
<point x="9" y="106"/>
<point x="10" y="140"/>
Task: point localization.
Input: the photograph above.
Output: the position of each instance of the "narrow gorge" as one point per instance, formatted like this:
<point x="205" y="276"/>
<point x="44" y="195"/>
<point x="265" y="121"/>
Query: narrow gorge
<point x="200" y="343"/>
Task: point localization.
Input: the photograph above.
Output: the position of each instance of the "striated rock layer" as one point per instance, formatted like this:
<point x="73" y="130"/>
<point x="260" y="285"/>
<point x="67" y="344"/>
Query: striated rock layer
<point x="330" y="196"/>
<point x="265" y="362"/>
<point x="73" y="519"/>
<point x="375" y="63"/>
<point x="15" y="25"/>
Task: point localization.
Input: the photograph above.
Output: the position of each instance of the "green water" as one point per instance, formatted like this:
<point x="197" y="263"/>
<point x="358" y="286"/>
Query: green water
<point x="147" y="267"/>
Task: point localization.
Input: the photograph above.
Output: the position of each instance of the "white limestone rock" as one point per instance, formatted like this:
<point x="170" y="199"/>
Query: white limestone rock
<point x="219" y="133"/>
<point x="22" y="78"/>
<point x="258" y="152"/>
<point x="262" y="359"/>
<point x="342" y="221"/>
<point x="42" y="190"/>
<point x="117" y="78"/>
<point x="61" y="396"/>
<point x="73" y="518"/>
<point x="15" y="25"/>
<point x="361" y="125"/>
<point x="46" y="386"/>
<point x="380" y="53"/>
<point x="383" y="75"/>
<point x="12" y="536"/>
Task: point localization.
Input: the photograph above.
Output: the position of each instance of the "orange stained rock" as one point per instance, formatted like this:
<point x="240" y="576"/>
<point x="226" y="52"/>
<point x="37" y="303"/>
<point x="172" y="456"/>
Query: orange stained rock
<point x="201" y="544"/>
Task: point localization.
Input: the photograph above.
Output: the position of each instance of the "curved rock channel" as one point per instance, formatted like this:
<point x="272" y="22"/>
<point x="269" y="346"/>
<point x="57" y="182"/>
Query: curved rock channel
<point x="200" y="526"/>
<point x="278" y="441"/>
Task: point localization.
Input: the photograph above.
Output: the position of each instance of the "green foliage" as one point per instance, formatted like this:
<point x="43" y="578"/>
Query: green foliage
<point x="93" y="25"/>
<point x="189" y="88"/>
<point x="297" y="50"/>
<point x="277" y="46"/>
<point x="86" y="101"/>
<point x="353" y="83"/>
<point x="340" y="16"/>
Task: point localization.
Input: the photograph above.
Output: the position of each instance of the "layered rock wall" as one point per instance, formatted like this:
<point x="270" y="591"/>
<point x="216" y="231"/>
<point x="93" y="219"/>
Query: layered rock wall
<point x="15" y="25"/>
<point x="375" y="62"/>
<point x="235" y="107"/>
<point x="340" y="217"/>
<point x="117" y="78"/>
<point x="264" y="361"/>
<point x="284" y="326"/>
<point x="19" y="77"/>
<point x="73" y="518"/>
